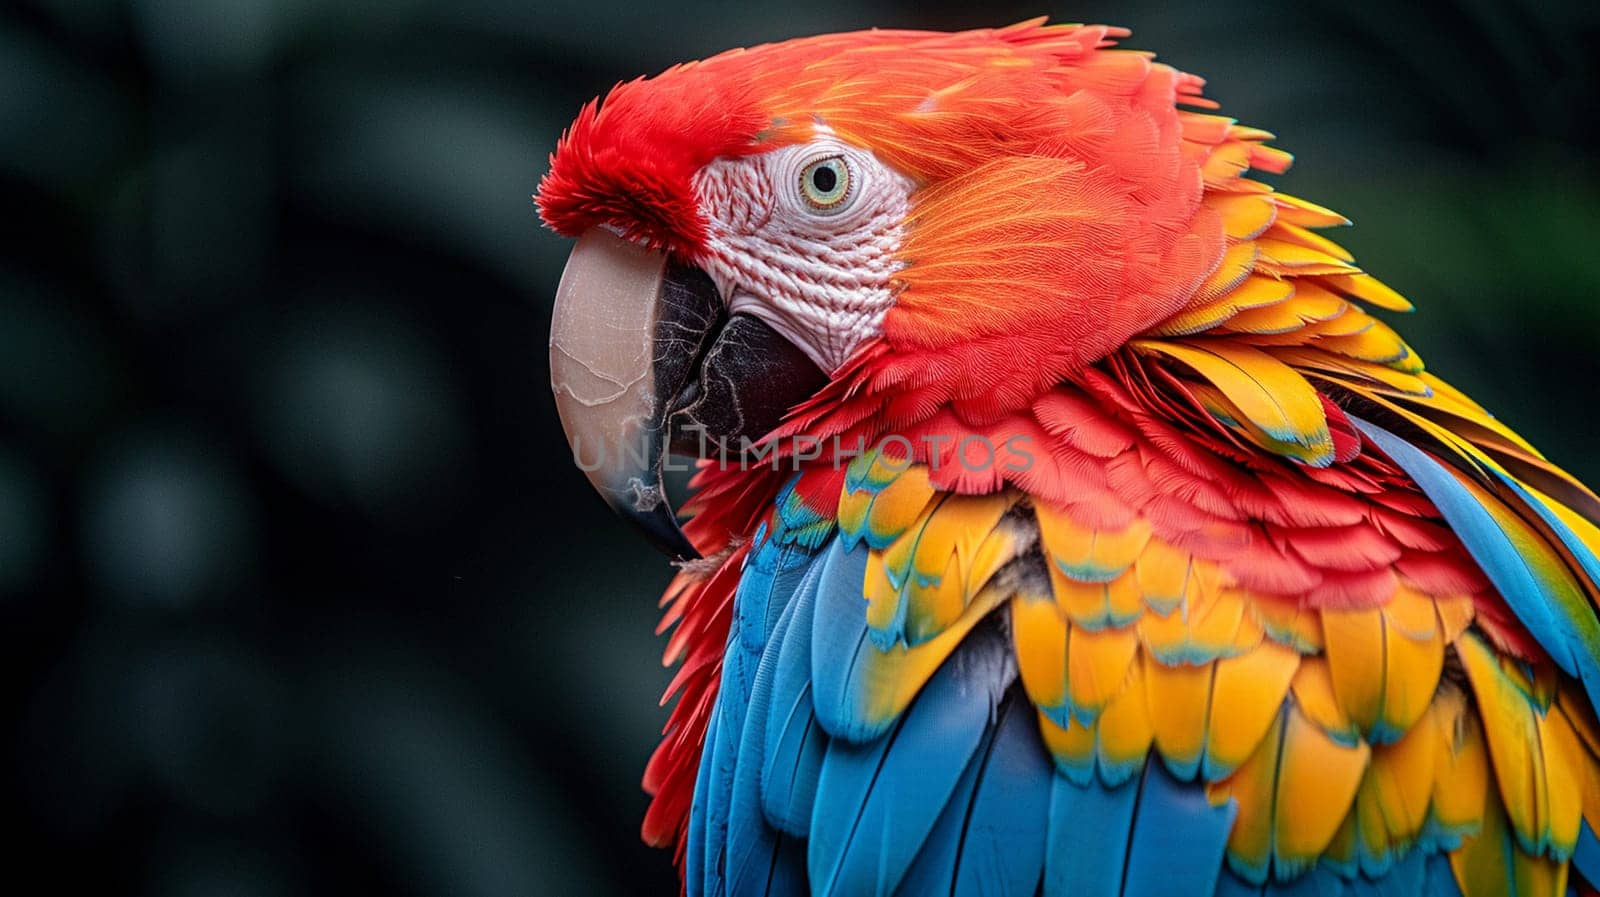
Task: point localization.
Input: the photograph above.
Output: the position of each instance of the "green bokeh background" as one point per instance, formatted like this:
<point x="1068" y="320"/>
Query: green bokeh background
<point x="301" y="594"/>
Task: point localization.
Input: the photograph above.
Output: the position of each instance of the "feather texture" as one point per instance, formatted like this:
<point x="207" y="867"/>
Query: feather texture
<point x="877" y="802"/>
<point x="1251" y="602"/>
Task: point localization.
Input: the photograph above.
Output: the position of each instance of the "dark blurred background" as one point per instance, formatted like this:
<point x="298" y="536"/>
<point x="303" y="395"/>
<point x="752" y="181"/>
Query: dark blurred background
<point x="301" y="594"/>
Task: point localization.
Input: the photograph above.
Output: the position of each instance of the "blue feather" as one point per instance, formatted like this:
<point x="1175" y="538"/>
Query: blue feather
<point x="1586" y="857"/>
<point x="1489" y="545"/>
<point x="1441" y="879"/>
<point x="1405" y="878"/>
<point x="794" y="745"/>
<point x="1580" y="552"/>
<point x="1316" y="883"/>
<point x="1178" y="838"/>
<point x="718" y="759"/>
<point x="1230" y="885"/>
<point x="1416" y="875"/>
<point x="754" y="862"/>
<point x="1002" y="843"/>
<point x="877" y="802"/>
<point x="694" y="881"/>
<point x="1088" y="838"/>
<point x="1588" y="629"/>
<point x="1419" y="874"/>
<point x="934" y="869"/>
<point x="769" y="577"/>
<point x="838" y="637"/>
<point x="767" y="585"/>
<point x="990" y="838"/>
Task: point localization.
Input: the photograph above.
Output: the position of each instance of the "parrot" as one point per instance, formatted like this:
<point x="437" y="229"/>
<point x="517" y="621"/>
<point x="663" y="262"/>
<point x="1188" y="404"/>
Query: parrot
<point x="1062" y="518"/>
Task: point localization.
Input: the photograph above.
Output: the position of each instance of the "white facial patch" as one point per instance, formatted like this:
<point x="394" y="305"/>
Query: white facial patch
<point x="804" y="238"/>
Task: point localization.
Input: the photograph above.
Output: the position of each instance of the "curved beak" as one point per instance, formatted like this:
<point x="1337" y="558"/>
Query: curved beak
<point x="645" y="360"/>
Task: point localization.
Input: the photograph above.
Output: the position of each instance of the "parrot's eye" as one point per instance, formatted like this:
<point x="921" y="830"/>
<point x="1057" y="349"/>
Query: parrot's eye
<point x="825" y="184"/>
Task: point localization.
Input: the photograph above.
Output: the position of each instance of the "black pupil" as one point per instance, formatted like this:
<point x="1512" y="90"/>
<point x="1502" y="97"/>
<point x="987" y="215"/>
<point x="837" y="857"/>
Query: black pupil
<point x="824" y="178"/>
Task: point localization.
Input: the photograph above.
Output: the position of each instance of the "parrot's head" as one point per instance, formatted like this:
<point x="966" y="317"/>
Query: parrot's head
<point x="934" y="222"/>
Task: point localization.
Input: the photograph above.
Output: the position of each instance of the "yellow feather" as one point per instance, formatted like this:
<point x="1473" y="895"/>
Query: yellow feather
<point x="1411" y="668"/>
<point x="1237" y="262"/>
<point x="1081" y="602"/>
<point x="1350" y="321"/>
<point x="1096" y="605"/>
<point x="1352" y="372"/>
<point x="1254" y="787"/>
<point x="958" y="525"/>
<point x="898" y="555"/>
<point x="1245" y="696"/>
<point x="1286" y="622"/>
<point x="1087" y="554"/>
<point x="1225" y="164"/>
<point x="1293" y="233"/>
<point x="956" y="550"/>
<point x="1040" y="636"/>
<point x="1368" y="289"/>
<point x="1513" y="736"/>
<point x="1317" y="781"/>
<point x="853" y="508"/>
<point x="1455" y="615"/>
<point x="1259" y="291"/>
<point x="884" y="469"/>
<point x="1162" y="573"/>
<point x="1254" y="291"/>
<point x="1341" y="849"/>
<point x="1244" y="216"/>
<point x="1098" y="665"/>
<point x="1392" y="803"/>
<point x="1249" y="633"/>
<point x="1059" y="534"/>
<point x="1412" y="613"/>
<point x="994" y="551"/>
<point x="1295" y="258"/>
<point x="1480" y="863"/>
<point x="1179" y="699"/>
<point x="892" y="678"/>
<point x="933" y="606"/>
<point x="1587" y="532"/>
<point x="1309" y="304"/>
<point x="1306" y="214"/>
<point x="1575" y="706"/>
<point x="1452" y="401"/>
<point x="1587" y="764"/>
<point x="883" y="599"/>
<point x="901" y="503"/>
<point x="1319" y="299"/>
<point x="1461" y="763"/>
<point x="1271" y="395"/>
<point x="1313" y="692"/>
<point x="1072" y="746"/>
<point x="1589" y="782"/>
<point x="1281" y="318"/>
<point x="1123" y="731"/>
<point x="1217" y="622"/>
<point x="1210" y="622"/>
<point x="1354" y="641"/>
<point x="1564" y="763"/>
<point x="1378" y="344"/>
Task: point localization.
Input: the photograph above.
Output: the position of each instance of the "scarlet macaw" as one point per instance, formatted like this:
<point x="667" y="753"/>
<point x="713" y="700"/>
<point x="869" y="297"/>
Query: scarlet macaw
<point x="1065" y="524"/>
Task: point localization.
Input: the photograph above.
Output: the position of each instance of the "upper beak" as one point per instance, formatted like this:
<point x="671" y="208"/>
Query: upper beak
<point x="645" y="360"/>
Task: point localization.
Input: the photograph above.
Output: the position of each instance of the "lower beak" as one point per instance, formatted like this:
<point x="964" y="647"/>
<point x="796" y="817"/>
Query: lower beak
<point x="645" y="360"/>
